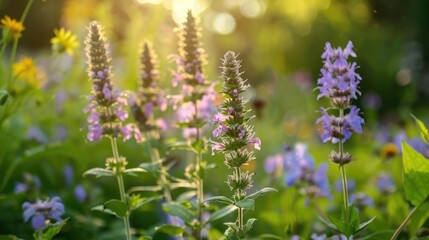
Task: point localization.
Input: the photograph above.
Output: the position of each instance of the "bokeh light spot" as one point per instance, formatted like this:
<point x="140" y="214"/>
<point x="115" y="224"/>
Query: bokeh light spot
<point x="224" y="23"/>
<point x="252" y="8"/>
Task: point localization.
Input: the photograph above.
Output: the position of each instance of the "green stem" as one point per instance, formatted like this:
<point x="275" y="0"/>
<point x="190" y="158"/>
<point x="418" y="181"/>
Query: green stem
<point x="1" y="58"/>
<point x="121" y="186"/>
<point x="199" y="180"/>
<point x="39" y="235"/>
<point x="343" y="173"/>
<point x="396" y="234"/>
<point x="240" y="217"/>
<point x="15" y="46"/>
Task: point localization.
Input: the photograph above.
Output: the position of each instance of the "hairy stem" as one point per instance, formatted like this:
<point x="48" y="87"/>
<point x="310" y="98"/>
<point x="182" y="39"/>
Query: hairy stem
<point x="121" y="186"/>
<point x="199" y="180"/>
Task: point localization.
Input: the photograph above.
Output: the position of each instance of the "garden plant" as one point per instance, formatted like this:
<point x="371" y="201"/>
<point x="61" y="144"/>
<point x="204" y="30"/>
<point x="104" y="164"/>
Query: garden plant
<point x="247" y="119"/>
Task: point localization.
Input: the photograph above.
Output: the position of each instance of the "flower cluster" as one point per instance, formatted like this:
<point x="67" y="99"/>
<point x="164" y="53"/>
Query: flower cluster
<point x="64" y="41"/>
<point x="300" y="170"/>
<point x="197" y="98"/>
<point x="149" y="95"/>
<point x="339" y="82"/>
<point x="237" y="138"/>
<point x="41" y="212"/>
<point x="106" y="106"/>
<point x="11" y="28"/>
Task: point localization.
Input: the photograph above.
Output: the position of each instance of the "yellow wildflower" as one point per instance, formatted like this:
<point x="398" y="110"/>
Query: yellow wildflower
<point x="11" y="28"/>
<point x="26" y="70"/>
<point x="64" y="41"/>
<point x="389" y="150"/>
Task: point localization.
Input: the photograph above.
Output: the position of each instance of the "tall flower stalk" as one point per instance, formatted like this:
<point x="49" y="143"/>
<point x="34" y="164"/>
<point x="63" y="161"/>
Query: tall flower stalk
<point x="196" y="102"/>
<point x="107" y="112"/>
<point x="339" y="83"/>
<point x="149" y="97"/>
<point x="237" y="142"/>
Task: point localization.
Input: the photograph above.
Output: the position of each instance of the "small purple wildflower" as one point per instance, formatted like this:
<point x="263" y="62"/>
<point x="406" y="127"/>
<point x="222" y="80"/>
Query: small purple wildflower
<point x="361" y="200"/>
<point x="41" y="212"/>
<point x="80" y="193"/>
<point x="385" y="184"/>
<point x="300" y="170"/>
<point x="31" y="184"/>
<point x="274" y="163"/>
<point x="68" y="174"/>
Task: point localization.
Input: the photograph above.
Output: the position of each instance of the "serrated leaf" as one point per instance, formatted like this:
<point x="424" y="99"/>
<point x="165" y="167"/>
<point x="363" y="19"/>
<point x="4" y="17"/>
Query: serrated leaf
<point x="178" y="210"/>
<point x="225" y="211"/>
<point x="133" y="171"/>
<point x="118" y="207"/>
<point x="246" y="204"/>
<point x="99" y="172"/>
<point x="170" y="229"/>
<point x="424" y="133"/>
<point x="219" y="199"/>
<point x="416" y="175"/>
<point x="261" y="192"/>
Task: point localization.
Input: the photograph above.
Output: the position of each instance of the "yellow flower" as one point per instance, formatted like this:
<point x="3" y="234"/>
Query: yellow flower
<point x="389" y="150"/>
<point x="11" y="28"/>
<point x="64" y="41"/>
<point x="27" y="70"/>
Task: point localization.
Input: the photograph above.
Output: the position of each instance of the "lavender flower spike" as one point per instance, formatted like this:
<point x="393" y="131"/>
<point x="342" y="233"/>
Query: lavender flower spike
<point x="106" y="106"/>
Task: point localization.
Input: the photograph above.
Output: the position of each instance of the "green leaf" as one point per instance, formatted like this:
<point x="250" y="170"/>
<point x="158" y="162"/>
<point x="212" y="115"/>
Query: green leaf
<point x="114" y="207"/>
<point x="246" y="204"/>
<point x="214" y="234"/>
<point x="219" y="199"/>
<point x="53" y="229"/>
<point x="225" y="211"/>
<point x="179" y="146"/>
<point x="99" y="172"/>
<point x="144" y="201"/>
<point x="151" y="167"/>
<point x="9" y="237"/>
<point x="178" y="210"/>
<point x="269" y="236"/>
<point x="145" y="238"/>
<point x="363" y="225"/>
<point x="145" y="189"/>
<point x="418" y="219"/>
<point x="170" y="229"/>
<point x="249" y="224"/>
<point x="3" y="96"/>
<point x="416" y="175"/>
<point x="424" y="133"/>
<point x="198" y="146"/>
<point x="261" y="192"/>
<point x="133" y="171"/>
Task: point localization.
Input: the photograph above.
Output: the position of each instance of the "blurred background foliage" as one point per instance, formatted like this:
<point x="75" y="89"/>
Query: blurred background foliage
<point x="280" y="43"/>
